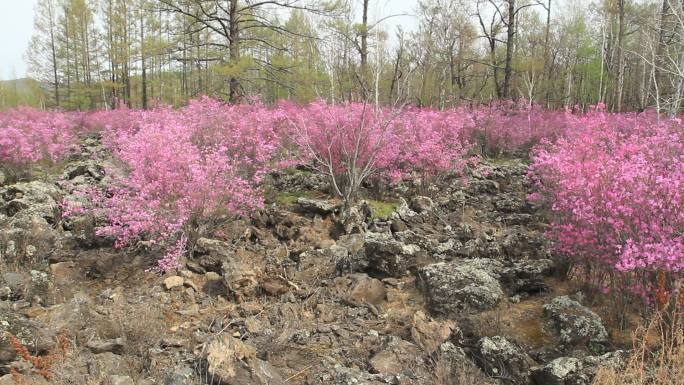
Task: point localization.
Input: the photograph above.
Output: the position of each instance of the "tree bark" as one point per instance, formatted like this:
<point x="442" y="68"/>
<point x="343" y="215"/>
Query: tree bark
<point x="142" y="60"/>
<point x="364" y="40"/>
<point x="54" y="51"/>
<point x="619" y="76"/>
<point x="234" y="48"/>
<point x="547" y="67"/>
<point x="510" y="34"/>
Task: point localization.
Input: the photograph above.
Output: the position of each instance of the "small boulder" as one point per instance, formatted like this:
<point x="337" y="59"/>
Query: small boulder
<point x="575" y="371"/>
<point x="214" y="248"/>
<point x="421" y="204"/>
<point x="316" y="206"/>
<point x="561" y="371"/>
<point x="349" y="254"/>
<point x="275" y="285"/>
<point x="16" y="284"/>
<point x="88" y="169"/>
<point x="354" y="219"/>
<point x="173" y="282"/>
<point x="526" y="276"/>
<point x="397" y="225"/>
<point x="576" y="324"/>
<point x="321" y="262"/>
<point x="430" y="334"/>
<point x="459" y="286"/>
<point x="34" y="198"/>
<point x="114" y="345"/>
<point x="212" y="276"/>
<point x="398" y="355"/>
<point x="32" y="334"/>
<point x="367" y="290"/>
<point x="239" y="278"/>
<point x="507" y="203"/>
<point x="500" y="358"/>
<point x="233" y="362"/>
<point x="387" y="256"/>
<point x="404" y="212"/>
<point x="453" y="364"/>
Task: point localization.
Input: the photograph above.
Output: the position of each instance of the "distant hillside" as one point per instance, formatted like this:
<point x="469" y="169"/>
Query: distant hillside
<point x="23" y="91"/>
<point x="23" y="84"/>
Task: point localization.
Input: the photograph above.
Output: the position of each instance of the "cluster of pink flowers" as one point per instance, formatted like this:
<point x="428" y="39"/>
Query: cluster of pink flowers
<point x="614" y="185"/>
<point x="184" y="169"/>
<point x="29" y="135"/>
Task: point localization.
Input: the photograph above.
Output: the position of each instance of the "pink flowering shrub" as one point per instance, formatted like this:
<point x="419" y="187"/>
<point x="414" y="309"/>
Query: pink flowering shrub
<point x="430" y="142"/>
<point x="185" y="170"/>
<point x="111" y="123"/>
<point x="353" y="142"/>
<point x="507" y="127"/>
<point x="29" y="135"/>
<point x="614" y="188"/>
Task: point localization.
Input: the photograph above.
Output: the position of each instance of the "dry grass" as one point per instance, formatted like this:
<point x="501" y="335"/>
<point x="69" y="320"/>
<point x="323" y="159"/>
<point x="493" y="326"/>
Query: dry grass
<point x="658" y="355"/>
<point x="458" y="373"/>
<point x="140" y="325"/>
<point x="522" y="322"/>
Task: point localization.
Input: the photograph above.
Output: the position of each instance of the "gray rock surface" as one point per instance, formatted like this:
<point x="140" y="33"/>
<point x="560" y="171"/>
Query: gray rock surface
<point x="500" y="358"/>
<point x="317" y="206"/>
<point x="28" y="214"/>
<point x="388" y="256"/>
<point x="469" y="285"/>
<point x="576" y="325"/>
<point x="398" y="355"/>
<point x="421" y="204"/>
<point x="233" y="362"/>
<point x="575" y="371"/>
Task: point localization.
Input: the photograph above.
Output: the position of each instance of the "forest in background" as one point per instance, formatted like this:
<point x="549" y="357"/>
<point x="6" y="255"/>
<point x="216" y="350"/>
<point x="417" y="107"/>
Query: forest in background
<point x="89" y="54"/>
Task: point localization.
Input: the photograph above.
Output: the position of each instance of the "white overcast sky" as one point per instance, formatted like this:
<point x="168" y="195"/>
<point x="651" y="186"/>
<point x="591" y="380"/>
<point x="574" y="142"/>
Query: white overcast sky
<point x="16" y="26"/>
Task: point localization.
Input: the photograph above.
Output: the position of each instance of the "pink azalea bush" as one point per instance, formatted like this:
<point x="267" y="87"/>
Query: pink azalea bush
<point x="29" y="135"/>
<point x="614" y="188"/>
<point x="111" y="123"/>
<point x="430" y="142"/>
<point x="185" y="170"/>
<point x="351" y="143"/>
<point x="510" y="127"/>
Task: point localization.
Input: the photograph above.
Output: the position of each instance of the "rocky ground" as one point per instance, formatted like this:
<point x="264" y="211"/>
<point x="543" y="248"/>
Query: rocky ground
<point x="453" y="285"/>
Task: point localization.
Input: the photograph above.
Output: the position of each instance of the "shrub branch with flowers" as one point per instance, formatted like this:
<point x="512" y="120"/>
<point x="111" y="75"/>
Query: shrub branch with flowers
<point x="354" y="142"/>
